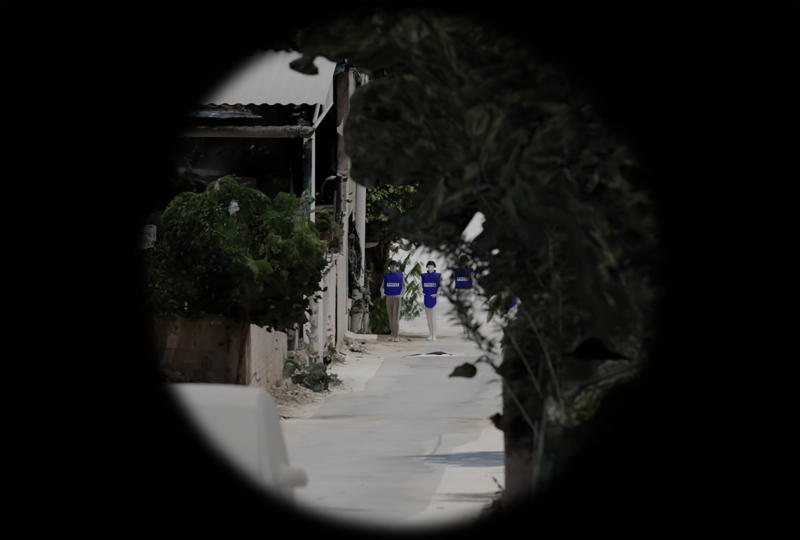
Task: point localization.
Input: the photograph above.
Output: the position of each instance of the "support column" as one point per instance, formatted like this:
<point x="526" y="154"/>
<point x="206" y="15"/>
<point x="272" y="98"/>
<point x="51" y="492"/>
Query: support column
<point x="313" y="329"/>
<point x="361" y="211"/>
<point x="313" y="167"/>
<point x="322" y="333"/>
<point x="313" y="184"/>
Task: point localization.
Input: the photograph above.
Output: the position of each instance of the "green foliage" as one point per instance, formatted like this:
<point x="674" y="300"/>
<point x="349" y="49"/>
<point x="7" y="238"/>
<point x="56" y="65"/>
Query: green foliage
<point x="325" y="221"/>
<point x="314" y="377"/>
<point x="290" y="367"/>
<point x="358" y="307"/>
<point x="379" y="318"/>
<point x="411" y="300"/>
<point x="384" y="200"/>
<point x="265" y="260"/>
<point x="477" y="122"/>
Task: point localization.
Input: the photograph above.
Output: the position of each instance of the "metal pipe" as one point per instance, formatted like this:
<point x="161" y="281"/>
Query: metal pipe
<point x="263" y="132"/>
<point x="361" y="211"/>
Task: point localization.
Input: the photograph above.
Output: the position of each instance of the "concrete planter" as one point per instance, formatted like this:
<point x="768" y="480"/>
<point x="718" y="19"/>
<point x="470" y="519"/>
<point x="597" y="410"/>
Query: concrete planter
<point x="359" y="321"/>
<point x="205" y="350"/>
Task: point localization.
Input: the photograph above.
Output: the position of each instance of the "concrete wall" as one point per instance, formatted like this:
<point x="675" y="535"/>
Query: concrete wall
<point x="328" y="330"/>
<point x="205" y="351"/>
<point x="264" y="357"/>
<point x="341" y="299"/>
<point x="208" y="351"/>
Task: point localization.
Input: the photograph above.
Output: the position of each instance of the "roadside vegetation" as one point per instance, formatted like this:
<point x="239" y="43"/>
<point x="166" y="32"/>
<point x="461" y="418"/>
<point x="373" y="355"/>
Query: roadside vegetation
<point x="475" y="121"/>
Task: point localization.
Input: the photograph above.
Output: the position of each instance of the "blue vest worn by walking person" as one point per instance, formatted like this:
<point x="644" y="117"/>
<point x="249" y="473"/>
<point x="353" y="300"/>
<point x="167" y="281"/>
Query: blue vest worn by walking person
<point x="430" y="285"/>
<point x="392" y="283"/>
<point x="514" y="303"/>
<point x="463" y="278"/>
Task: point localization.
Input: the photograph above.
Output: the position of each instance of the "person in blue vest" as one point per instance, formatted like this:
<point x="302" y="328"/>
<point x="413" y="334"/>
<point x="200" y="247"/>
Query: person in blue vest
<point x="463" y="280"/>
<point x="512" y="310"/>
<point x="392" y="290"/>
<point x="430" y="291"/>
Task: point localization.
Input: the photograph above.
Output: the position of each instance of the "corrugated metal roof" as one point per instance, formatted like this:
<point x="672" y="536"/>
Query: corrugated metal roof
<point x="222" y="111"/>
<point x="267" y="79"/>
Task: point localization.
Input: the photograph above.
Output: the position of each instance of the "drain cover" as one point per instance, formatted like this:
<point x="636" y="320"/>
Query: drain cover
<point x="432" y="354"/>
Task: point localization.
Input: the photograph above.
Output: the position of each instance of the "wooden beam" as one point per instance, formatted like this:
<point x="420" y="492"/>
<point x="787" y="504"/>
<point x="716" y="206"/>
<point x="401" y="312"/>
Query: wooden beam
<point x="266" y="132"/>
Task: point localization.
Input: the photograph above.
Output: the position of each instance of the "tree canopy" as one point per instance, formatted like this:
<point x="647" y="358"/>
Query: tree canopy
<point x="479" y="122"/>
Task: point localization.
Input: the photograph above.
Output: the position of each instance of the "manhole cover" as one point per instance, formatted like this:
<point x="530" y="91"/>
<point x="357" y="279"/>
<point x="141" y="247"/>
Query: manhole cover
<point x="432" y="354"/>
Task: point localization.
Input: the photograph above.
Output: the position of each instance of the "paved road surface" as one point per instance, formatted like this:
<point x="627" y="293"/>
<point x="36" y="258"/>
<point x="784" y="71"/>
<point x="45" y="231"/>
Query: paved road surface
<point x="379" y="456"/>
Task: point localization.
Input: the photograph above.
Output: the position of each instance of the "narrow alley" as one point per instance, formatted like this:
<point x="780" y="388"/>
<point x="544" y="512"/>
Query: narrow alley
<point x="401" y="443"/>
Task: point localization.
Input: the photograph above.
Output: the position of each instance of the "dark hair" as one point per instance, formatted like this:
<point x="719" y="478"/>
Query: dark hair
<point x="393" y="262"/>
<point x="431" y="263"/>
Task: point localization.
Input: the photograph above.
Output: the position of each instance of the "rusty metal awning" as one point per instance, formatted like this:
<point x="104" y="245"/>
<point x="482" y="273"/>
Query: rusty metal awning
<point x="258" y="132"/>
<point x="267" y="79"/>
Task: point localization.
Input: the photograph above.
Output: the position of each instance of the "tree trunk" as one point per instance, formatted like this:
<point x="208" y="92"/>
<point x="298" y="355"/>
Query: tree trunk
<point x="587" y="383"/>
<point x="518" y="442"/>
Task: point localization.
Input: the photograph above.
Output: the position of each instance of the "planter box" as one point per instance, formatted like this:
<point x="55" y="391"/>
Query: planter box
<point x="356" y="321"/>
<point x="206" y="350"/>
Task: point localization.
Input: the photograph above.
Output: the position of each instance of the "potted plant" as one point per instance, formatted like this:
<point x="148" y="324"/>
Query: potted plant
<point x="359" y="312"/>
<point x="327" y="227"/>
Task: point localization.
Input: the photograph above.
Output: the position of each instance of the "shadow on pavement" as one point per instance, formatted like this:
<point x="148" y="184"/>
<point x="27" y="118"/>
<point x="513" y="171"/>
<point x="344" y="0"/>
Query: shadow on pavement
<point x="467" y="459"/>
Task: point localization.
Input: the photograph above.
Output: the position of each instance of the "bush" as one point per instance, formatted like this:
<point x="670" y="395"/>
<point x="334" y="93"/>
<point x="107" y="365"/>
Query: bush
<point x="314" y="377"/>
<point x="263" y="261"/>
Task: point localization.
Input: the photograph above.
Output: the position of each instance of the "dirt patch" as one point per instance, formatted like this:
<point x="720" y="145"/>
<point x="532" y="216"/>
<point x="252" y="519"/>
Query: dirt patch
<point x="291" y="402"/>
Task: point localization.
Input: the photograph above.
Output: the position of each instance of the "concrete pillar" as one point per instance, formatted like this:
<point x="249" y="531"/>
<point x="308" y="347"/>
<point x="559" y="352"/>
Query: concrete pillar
<point x="361" y="211"/>
<point x="321" y="332"/>
<point x="313" y="183"/>
<point x="313" y="328"/>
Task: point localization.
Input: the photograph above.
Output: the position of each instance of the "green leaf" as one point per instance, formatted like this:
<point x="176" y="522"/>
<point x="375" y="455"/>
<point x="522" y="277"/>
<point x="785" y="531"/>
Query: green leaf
<point x="263" y="267"/>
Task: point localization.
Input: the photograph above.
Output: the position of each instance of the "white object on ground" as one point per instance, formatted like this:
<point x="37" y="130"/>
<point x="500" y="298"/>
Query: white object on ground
<point x="242" y="423"/>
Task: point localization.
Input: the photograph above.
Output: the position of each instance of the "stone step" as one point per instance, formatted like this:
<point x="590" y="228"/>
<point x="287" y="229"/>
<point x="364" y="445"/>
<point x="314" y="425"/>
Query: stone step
<point x="358" y="338"/>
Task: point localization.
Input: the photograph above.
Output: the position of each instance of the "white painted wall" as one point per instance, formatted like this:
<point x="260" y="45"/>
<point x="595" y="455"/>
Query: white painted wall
<point x="265" y="352"/>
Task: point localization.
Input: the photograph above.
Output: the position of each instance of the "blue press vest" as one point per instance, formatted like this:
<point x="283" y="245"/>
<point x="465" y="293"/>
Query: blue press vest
<point x="430" y="285"/>
<point x="463" y="278"/>
<point x="392" y="283"/>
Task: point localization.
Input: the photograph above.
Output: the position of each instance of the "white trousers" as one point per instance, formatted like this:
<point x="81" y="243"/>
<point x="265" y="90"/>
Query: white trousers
<point x="430" y="313"/>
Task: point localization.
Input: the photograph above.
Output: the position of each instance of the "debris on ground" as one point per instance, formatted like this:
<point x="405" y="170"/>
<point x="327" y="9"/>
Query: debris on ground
<point x="170" y="376"/>
<point x="332" y="355"/>
<point x="495" y="507"/>
<point x="288" y="400"/>
<point x="314" y="377"/>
